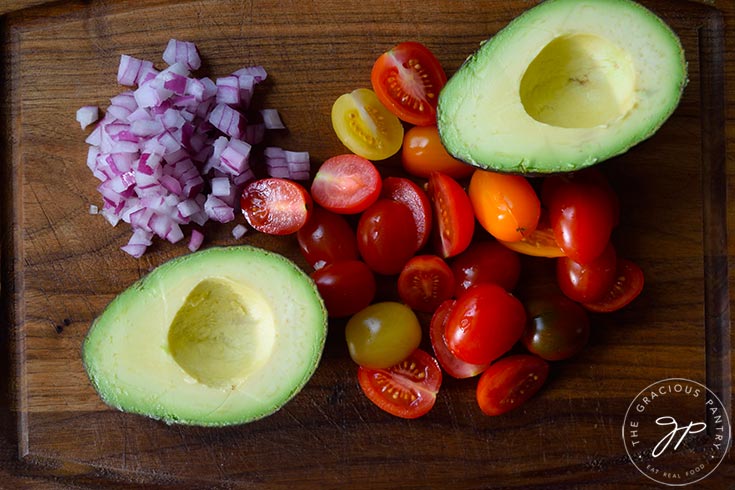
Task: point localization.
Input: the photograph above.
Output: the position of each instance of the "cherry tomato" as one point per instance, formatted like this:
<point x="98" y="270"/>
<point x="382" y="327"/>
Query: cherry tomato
<point x="540" y="243"/>
<point x="510" y="382"/>
<point x="407" y="80"/>
<point x="505" y="205"/>
<point x="275" y="206"/>
<point x="589" y="176"/>
<point x="454" y="221"/>
<point x="582" y="218"/>
<point x="453" y="366"/>
<point x="557" y="328"/>
<point x="346" y="184"/>
<point x="425" y="282"/>
<point x="386" y="236"/>
<point x="326" y="238"/>
<point x="346" y="287"/>
<point x="587" y="282"/>
<point x="486" y="262"/>
<point x="484" y="324"/>
<point x="365" y="126"/>
<point x="423" y="153"/>
<point x="408" y="389"/>
<point x="382" y="334"/>
<point x="628" y="285"/>
<point x="410" y="194"/>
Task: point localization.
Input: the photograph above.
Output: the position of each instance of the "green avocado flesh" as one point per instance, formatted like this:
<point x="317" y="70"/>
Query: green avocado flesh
<point x="219" y="337"/>
<point x="567" y="84"/>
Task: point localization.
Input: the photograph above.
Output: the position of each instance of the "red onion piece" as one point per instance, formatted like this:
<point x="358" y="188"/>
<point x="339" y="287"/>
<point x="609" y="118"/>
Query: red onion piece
<point x="196" y="240"/>
<point x="87" y="115"/>
<point x="238" y="231"/>
<point x="183" y="52"/>
<point x="272" y="119"/>
<point x="127" y="71"/>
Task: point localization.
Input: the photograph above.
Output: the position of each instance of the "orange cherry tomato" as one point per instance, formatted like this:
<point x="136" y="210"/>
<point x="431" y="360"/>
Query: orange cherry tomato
<point x="424" y="153"/>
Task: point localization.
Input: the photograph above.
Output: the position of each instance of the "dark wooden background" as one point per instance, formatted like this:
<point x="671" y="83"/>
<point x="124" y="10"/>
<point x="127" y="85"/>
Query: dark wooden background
<point x="60" y="266"/>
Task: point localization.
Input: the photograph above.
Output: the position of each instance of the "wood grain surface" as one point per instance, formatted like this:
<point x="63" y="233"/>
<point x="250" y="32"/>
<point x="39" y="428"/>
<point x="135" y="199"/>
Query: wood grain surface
<point x="61" y="266"/>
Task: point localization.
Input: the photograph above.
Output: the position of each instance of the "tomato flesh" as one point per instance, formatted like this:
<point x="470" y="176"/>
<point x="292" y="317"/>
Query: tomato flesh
<point x="450" y="363"/>
<point x="627" y="286"/>
<point x="425" y="282"/>
<point x="453" y="217"/>
<point x="540" y="243"/>
<point x="347" y="287"/>
<point x="587" y="283"/>
<point x="423" y="153"/>
<point x="346" y="184"/>
<point x="407" y="389"/>
<point x="275" y="206"/>
<point x="407" y="80"/>
<point x="409" y="193"/>
<point x="486" y="262"/>
<point x="557" y="327"/>
<point x="386" y="236"/>
<point x="326" y="238"/>
<point x="510" y="382"/>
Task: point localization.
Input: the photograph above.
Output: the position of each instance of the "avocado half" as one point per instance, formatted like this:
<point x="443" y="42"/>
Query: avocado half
<point x="567" y="84"/>
<point x="219" y="337"/>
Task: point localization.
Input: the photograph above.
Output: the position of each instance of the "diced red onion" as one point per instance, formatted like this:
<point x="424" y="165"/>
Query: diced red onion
<point x="228" y="90"/>
<point x="183" y="52"/>
<point x="227" y="120"/>
<point x="127" y="71"/>
<point x="218" y="210"/>
<point x="220" y="186"/>
<point x="196" y="240"/>
<point x="238" y="231"/>
<point x="272" y="119"/>
<point x="258" y="73"/>
<point x="87" y="115"/>
<point x="93" y="209"/>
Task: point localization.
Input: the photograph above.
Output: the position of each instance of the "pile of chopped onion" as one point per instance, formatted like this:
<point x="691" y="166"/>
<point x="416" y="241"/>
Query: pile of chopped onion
<point x="176" y="149"/>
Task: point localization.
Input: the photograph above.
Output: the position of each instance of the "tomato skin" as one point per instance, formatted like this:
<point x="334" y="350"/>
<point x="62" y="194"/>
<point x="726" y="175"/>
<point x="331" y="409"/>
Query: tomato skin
<point x="346" y="286"/>
<point x="408" y="389"/>
<point x="409" y="193"/>
<point x="591" y="176"/>
<point x="557" y="327"/>
<point x="425" y="282"/>
<point x="627" y="287"/>
<point x="510" y="382"/>
<point x="386" y="236"/>
<point x="484" y="324"/>
<point x="423" y="153"/>
<point x="486" y="262"/>
<point x="450" y="363"/>
<point x="346" y="184"/>
<point x="407" y="80"/>
<point x="590" y="282"/>
<point x="382" y="334"/>
<point x="505" y="205"/>
<point x="276" y="206"/>
<point x="453" y="217"/>
<point x="326" y="238"/>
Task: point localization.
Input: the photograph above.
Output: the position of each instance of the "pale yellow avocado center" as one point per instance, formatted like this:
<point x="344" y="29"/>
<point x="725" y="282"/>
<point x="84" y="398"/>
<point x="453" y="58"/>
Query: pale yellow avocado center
<point x="579" y="81"/>
<point x="222" y="333"/>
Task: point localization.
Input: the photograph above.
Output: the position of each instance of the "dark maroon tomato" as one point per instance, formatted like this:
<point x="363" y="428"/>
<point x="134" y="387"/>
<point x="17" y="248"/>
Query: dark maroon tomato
<point x="386" y="236"/>
<point x="346" y="287"/>
<point x="486" y="262"/>
<point x="425" y="282"/>
<point x="590" y="282"/>
<point x="557" y="328"/>
<point x="326" y="238"/>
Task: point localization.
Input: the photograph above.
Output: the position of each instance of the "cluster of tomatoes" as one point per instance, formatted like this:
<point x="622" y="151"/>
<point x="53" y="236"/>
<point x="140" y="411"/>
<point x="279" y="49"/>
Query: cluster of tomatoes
<point x="421" y="232"/>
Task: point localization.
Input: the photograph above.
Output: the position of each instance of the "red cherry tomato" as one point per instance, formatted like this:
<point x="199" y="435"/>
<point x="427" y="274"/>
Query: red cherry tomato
<point x="590" y="282"/>
<point x="410" y="194"/>
<point x="484" y="324"/>
<point x="408" y="389"/>
<point x="627" y="286"/>
<point x="510" y="382"/>
<point x="589" y="176"/>
<point x="486" y="262"/>
<point x="425" y="282"/>
<point x="453" y="366"/>
<point x="407" y="80"/>
<point x="423" y="153"/>
<point x="275" y="206"/>
<point x="346" y="287"/>
<point x="386" y="236"/>
<point x="326" y="238"/>
<point x="346" y="184"/>
<point x="454" y="220"/>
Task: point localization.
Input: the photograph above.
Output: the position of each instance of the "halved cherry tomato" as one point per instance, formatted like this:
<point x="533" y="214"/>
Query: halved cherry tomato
<point x="407" y="80"/>
<point x="326" y="238"/>
<point x="454" y="221"/>
<point x="590" y="282"/>
<point x="386" y="236"/>
<point x="484" y="324"/>
<point x="408" y="389"/>
<point x="346" y="286"/>
<point x="425" y="282"/>
<point x="423" y="153"/>
<point x="505" y="205"/>
<point x="346" y="184"/>
<point x="510" y="382"/>
<point x="628" y="285"/>
<point x="409" y="193"/>
<point x="486" y="262"/>
<point x="453" y="366"/>
<point x="540" y="243"/>
<point x="557" y="327"/>
<point x="365" y="126"/>
<point x="275" y="206"/>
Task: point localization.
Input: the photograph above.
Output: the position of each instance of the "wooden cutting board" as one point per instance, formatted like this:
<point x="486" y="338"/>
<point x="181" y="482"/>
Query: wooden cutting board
<point x="62" y="265"/>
